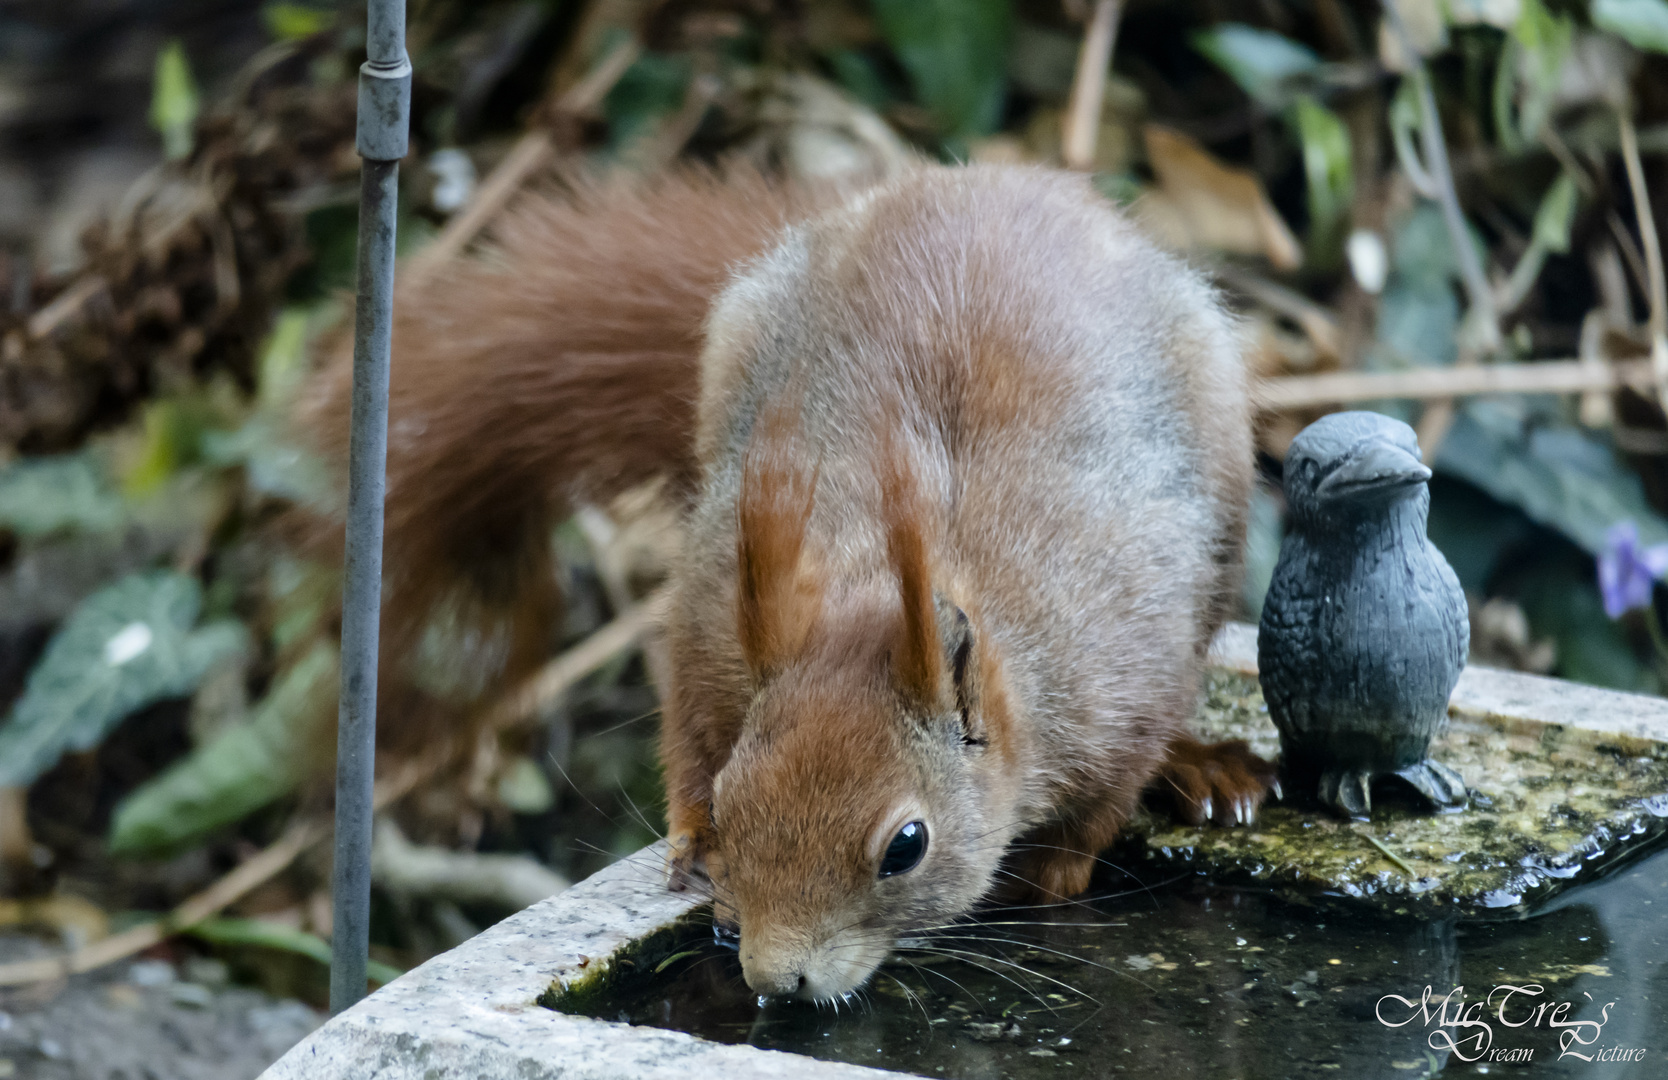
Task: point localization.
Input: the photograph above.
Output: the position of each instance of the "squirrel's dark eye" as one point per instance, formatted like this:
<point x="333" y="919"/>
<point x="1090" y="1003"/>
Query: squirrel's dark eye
<point x="905" y="850"/>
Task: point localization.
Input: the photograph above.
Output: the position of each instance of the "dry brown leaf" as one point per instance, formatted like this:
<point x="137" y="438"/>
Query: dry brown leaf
<point x="1202" y="203"/>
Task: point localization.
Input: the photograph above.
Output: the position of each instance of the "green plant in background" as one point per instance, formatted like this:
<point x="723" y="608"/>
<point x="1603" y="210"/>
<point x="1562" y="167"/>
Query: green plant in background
<point x="245" y="767"/>
<point x="1532" y="60"/>
<point x="956" y="54"/>
<point x="45" y="496"/>
<point x="265" y="934"/>
<point x="1550" y="236"/>
<point x="1282" y="77"/>
<point x="1326" y="168"/>
<point x="295" y="22"/>
<point x="1641" y="23"/>
<point x="128" y="646"/>
<point x="174" y="101"/>
<point x="1271" y="68"/>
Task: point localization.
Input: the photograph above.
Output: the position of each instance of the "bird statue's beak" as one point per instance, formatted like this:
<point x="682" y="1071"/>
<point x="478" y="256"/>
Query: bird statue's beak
<point x="1374" y="468"/>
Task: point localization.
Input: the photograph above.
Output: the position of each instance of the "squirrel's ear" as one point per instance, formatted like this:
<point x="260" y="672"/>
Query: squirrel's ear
<point x="778" y="597"/>
<point x="918" y="661"/>
<point x="961" y="650"/>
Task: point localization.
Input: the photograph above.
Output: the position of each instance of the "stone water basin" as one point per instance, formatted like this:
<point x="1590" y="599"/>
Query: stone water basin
<point x="1298" y="948"/>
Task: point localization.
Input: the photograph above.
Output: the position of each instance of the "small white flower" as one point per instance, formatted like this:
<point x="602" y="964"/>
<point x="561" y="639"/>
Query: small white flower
<point x="127" y="644"/>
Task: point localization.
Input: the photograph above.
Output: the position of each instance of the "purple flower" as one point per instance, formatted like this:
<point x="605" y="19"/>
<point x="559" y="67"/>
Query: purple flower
<point x="1626" y="571"/>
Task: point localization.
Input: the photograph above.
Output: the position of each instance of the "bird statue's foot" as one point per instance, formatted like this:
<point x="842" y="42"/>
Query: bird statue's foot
<point x="1348" y="791"/>
<point x="1436" y="782"/>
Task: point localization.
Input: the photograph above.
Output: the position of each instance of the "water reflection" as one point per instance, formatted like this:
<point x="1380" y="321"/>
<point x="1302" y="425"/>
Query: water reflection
<point x="1203" y="981"/>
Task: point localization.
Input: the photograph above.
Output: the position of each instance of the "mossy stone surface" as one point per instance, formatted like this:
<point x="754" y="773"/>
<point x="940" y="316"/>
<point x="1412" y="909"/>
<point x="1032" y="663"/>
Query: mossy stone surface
<point x="1551" y="807"/>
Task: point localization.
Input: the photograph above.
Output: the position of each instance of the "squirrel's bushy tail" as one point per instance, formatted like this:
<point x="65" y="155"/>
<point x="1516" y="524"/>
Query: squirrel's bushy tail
<point x="560" y="367"/>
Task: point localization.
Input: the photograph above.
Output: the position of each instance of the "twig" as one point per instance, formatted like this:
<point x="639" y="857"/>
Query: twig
<point x="530" y="154"/>
<point x="1595" y="410"/>
<point x="64" y="305"/>
<point x="1088" y="88"/>
<point x="1482" y="329"/>
<point x="1293" y="392"/>
<point x="1319" y="324"/>
<point x="1653" y="256"/>
<point x="466" y="877"/>
<point x="562" y="673"/>
<point x="1395" y="859"/>
<point x="1440" y="175"/>
<point x="602" y="536"/>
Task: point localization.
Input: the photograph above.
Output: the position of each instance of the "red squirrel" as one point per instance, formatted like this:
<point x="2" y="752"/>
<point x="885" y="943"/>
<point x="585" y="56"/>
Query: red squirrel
<point x="965" y="462"/>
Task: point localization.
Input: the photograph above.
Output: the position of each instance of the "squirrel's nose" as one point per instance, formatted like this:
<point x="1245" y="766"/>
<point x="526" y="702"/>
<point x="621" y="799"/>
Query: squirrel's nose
<point x="774" y="983"/>
<point x="770" y="980"/>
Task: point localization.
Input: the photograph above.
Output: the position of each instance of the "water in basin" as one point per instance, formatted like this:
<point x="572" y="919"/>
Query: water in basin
<point x="1187" y="978"/>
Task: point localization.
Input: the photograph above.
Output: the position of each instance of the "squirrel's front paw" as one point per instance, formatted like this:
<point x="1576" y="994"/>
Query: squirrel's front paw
<point x="1222" y="782"/>
<point x="1042" y="877"/>
<point x="690" y="857"/>
<point x="685" y="861"/>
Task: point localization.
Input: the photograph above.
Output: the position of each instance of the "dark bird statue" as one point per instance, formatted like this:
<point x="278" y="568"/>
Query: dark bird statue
<point x="1364" y="632"/>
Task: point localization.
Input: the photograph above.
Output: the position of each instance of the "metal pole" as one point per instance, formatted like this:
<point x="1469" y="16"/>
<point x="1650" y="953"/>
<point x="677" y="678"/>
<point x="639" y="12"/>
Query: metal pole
<point x="384" y="117"/>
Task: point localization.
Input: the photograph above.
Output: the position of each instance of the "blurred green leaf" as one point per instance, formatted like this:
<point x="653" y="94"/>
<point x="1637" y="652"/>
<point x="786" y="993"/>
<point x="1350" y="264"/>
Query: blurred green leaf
<point x="1417" y="324"/>
<point x="1532" y="62"/>
<point x="956" y="54"/>
<point x="1555" y="215"/>
<point x="1419" y="312"/>
<point x="1421" y="250"/>
<point x="300" y="593"/>
<point x="173" y="439"/>
<point x="856" y="72"/>
<point x="1560" y="476"/>
<point x="1474" y="531"/>
<point x="272" y="464"/>
<point x="1641" y="23"/>
<point x="127" y="646"/>
<point x="652" y="88"/>
<point x="174" y="102"/>
<point x="292" y="22"/>
<point x="524" y="787"/>
<point x="1563" y="603"/>
<point x="1497" y="13"/>
<point x="240" y="770"/>
<point x="282" y="366"/>
<point x="1326" y="162"/>
<point x="1262" y="62"/>
<point x="273" y="935"/>
<point x="65" y="493"/>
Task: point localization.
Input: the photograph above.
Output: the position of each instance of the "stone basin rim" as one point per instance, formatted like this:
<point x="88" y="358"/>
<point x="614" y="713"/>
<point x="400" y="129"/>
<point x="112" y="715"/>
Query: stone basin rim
<point x="474" y="1012"/>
